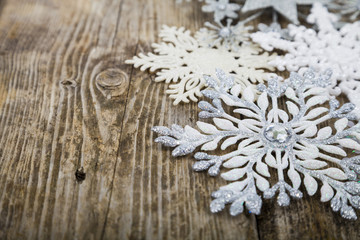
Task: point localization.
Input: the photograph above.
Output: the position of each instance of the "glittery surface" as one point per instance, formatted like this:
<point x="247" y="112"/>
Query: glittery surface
<point x="306" y="151"/>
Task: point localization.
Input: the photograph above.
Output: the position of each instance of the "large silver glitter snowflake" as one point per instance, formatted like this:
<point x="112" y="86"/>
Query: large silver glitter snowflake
<point x="262" y="133"/>
<point x="183" y="59"/>
<point x="322" y="49"/>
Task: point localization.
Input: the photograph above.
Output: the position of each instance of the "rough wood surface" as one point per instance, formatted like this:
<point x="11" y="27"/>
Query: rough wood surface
<point x="77" y="158"/>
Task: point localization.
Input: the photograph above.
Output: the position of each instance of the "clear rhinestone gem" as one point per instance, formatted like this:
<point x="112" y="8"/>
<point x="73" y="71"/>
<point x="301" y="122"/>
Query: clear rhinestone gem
<point x="277" y="133"/>
<point x="225" y="32"/>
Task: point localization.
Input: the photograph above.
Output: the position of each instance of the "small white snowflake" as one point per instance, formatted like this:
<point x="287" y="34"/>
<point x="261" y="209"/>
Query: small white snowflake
<point x="290" y="139"/>
<point x="322" y="49"/>
<point x="184" y="59"/>
<point x="230" y="36"/>
<point x="221" y="9"/>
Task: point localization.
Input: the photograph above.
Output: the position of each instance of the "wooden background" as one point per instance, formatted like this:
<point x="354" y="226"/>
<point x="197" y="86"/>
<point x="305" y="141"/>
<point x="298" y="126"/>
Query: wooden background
<point x="69" y="104"/>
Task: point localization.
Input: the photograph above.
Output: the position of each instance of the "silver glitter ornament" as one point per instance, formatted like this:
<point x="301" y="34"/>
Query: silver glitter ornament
<point x="293" y="141"/>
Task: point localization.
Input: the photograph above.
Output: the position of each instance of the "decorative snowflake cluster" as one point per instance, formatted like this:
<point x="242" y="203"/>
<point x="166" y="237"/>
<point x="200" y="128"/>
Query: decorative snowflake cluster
<point x="265" y="134"/>
<point x="183" y="59"/>
<point x="326" y="48"/>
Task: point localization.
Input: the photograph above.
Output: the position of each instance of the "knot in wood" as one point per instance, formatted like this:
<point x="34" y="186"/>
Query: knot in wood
<point x="112" y="82"/>
<point x="68" y="83"/>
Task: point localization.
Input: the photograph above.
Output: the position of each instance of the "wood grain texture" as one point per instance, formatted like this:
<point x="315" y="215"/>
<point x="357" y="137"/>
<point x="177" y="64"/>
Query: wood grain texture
<point x="68" y="103"/>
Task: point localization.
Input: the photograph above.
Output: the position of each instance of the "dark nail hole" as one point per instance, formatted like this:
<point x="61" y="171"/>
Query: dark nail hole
<point x="80" y="174"/>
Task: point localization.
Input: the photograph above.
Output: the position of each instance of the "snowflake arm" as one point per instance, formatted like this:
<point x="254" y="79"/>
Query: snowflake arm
<point x="267" y="137"/>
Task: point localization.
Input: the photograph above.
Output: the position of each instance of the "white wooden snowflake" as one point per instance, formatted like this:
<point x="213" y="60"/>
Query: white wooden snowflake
<point x="183" y="59"/>
<point x="322" y="49"/>
<point x="292" y="140"/>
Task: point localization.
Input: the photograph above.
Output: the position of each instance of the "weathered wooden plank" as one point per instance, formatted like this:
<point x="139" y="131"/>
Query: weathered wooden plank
<point x="56" y="117"/>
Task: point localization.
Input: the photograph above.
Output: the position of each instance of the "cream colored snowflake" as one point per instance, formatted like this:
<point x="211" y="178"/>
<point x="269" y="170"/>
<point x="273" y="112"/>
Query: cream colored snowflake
<point x="182" y="60"/>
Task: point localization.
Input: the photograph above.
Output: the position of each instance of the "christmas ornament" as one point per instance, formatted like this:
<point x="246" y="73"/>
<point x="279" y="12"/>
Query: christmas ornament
<point x="322" y="49"/>
<point x="296" y="143"/>
<point x="183" y="60"/>
<point x="287" y="8"/>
